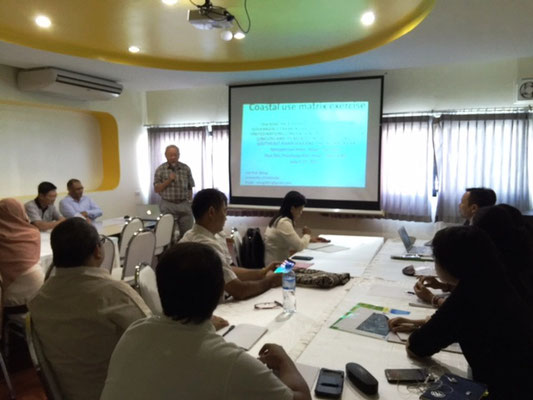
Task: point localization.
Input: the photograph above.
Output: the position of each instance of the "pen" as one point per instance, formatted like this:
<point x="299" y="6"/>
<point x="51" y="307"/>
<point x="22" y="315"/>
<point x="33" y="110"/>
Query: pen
<point x="409" y="292"/>
<point x="229" y="330"/>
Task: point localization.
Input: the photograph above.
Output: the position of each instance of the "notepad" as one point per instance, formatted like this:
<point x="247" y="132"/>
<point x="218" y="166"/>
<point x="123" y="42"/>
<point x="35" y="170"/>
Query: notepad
<point x="332" y="248"/>
<point x="401" y="338"/>
<point x="245" y="335"/>
<point x="318" y="245"/>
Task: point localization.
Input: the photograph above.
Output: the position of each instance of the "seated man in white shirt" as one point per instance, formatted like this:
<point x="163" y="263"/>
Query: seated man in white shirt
<point x="41" y="210"/>
<point x="209" y="208"/>
<point x="179" y="355"/>
<point x="80" y="313"/>
<point x="78" y="205"/>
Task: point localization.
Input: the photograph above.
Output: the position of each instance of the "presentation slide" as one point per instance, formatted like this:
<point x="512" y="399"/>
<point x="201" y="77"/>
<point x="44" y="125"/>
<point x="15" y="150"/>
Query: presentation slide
<point x="321" y="138"/>
<point x="304" y="138"/>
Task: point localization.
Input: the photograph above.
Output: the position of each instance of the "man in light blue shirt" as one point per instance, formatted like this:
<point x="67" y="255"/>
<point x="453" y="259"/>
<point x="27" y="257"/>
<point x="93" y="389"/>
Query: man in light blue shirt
<point x="78" y="205"/>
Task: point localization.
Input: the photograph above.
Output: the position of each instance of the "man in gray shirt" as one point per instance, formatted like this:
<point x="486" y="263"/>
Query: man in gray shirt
<point x="173" y="181"/>
<point x="41" y="210"/>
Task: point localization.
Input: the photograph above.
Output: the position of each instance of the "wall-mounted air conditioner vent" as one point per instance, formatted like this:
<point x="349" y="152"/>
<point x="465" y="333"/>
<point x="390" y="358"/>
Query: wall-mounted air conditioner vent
<point x="69" y="84"/>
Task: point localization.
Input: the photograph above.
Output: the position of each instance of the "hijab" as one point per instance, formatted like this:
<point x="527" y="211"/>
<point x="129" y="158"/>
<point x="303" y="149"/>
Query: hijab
<point x="20" y="241"/>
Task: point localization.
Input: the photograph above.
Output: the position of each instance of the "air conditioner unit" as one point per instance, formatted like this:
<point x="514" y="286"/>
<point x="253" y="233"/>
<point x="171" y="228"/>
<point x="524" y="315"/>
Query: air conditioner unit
<point x="68" y="84"/>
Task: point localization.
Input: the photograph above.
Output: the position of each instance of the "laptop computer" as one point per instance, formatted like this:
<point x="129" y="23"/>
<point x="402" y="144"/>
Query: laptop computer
<point x="408" y="243"/>
<point x="148" y="212"/>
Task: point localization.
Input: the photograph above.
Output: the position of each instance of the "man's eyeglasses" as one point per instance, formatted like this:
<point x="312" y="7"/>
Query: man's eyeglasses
<point x="102" y="240"/>
<point x="268" y="305"/>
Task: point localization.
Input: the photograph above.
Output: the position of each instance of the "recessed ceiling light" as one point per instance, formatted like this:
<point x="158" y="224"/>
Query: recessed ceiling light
<point x="368" y="18"/>
<point x="226" y="35"/>
<point x="169" y="2"/>
<point x="43" y="21"/>
<point x="239" y="35"/>
<point x="134" y="49"/>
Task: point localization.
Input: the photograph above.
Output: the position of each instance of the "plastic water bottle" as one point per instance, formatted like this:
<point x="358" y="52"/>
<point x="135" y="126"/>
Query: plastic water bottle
<point x="288" y="284"/>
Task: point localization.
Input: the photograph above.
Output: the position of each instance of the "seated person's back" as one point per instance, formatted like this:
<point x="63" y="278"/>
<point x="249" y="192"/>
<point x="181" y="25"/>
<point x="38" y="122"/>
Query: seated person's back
<point x="181" y="355"/>
<point x="484" y="314"/>
<point x="81" y="312"/>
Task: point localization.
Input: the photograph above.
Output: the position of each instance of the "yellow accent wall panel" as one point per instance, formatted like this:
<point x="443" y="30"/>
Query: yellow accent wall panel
<point x="50" y="143"/>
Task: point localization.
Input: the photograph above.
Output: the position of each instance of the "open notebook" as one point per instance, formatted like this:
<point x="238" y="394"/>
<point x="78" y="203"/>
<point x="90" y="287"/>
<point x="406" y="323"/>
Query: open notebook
<point x="243" y="335"/>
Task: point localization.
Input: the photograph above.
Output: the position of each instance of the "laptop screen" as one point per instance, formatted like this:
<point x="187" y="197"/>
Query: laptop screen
<point x="405" y="238"/>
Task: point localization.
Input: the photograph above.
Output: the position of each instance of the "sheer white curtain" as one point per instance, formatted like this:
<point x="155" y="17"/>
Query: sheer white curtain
<point x="205" y="152"/>
<point x="489" y="150"/>
<point x="406" y="168"/>
<point x="190" y="141"/>
<point x="220" y="159"/>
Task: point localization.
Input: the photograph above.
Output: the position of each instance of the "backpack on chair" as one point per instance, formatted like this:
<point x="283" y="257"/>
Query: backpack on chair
<point x="253" y="249"/>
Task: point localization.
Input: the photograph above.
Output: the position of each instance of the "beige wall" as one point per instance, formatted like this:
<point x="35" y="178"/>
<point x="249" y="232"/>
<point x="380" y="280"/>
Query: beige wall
<point x="128" y="111"/>
<point x="405" y="90"/>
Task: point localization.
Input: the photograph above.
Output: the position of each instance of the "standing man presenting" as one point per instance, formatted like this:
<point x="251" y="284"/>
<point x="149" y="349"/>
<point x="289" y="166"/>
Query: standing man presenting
<point x="173" y="182"/>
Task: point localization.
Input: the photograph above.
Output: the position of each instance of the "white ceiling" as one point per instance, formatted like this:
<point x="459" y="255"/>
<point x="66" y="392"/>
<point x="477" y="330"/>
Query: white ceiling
<point x="456" y="32"/>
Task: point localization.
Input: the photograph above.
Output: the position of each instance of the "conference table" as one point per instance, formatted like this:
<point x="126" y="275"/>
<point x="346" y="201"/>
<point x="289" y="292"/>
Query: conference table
<point x="307" y="337"/>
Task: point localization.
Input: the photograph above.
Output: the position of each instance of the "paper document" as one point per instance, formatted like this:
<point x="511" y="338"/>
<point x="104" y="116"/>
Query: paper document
<point x="401" y="338"/>
<point x="318" y="245"/>
<point x="244" y="335"/>
<point x="368" y="320"/>
<point x="332" y="248"/>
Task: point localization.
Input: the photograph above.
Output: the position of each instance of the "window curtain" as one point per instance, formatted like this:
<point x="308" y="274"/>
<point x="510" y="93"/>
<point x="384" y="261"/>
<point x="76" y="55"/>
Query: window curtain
<point x="489" y="150"/>
<point x="406" y="167"/>
<point x="219" y="171"/>
<point x="204" y="149"/>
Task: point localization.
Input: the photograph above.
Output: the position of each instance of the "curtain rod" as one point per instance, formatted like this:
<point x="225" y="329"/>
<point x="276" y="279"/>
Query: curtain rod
<point x="187" y="124"/>
<point x="432" y="113"/>
<point x="437" y="113"/>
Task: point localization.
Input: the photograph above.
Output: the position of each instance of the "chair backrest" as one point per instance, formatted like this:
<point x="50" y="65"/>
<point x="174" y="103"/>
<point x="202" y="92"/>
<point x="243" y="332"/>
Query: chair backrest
<point x="40" y="363"/>
<point x="253" y="249"/>
<point x="146" y="284"/>
<point x="140" y="250"/>
<point x="109" y="254"/>
<point x="130" y="227"/>
<point x="164" y="229"/>
<point x="237" y="243"/>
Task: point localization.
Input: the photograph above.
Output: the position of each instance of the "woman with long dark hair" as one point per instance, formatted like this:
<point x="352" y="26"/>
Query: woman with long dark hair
<point x="280" y="235"/>
<point x="484" y="314"/>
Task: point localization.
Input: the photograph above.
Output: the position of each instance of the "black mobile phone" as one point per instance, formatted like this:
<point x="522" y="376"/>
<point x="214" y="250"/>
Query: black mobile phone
<point x="303" y="258"/>
<point x="407" y="375"/>
<point x="329" y="384"/>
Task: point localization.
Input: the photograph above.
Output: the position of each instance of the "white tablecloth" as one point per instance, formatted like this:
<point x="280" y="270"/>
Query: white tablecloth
<point x="306" y="335"/>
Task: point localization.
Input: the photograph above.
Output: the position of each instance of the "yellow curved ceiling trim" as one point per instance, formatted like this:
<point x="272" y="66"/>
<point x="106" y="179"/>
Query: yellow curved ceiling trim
<point x="167" y="41"/>
<point x="108" y="139"/>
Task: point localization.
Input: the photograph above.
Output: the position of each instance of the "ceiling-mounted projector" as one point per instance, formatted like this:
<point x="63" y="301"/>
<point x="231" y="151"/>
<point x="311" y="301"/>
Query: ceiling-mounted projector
<point x="208" y="16"/>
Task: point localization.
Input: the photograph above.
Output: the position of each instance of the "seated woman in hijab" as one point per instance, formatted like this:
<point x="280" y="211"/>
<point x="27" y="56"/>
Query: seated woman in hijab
<point x="20" y="248"/>
<point x="280" y="235"/>
<point x="484" y="314"/>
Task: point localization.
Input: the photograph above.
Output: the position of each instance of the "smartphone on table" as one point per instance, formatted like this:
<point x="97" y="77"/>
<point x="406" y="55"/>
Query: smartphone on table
<point x="284" y="267"/>
<point x="406" y="375"/>
<point x="329" y="384"/>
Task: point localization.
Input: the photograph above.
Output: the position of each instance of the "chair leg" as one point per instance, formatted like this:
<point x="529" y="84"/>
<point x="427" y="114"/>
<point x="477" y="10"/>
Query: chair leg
<point x="6" y="377"/>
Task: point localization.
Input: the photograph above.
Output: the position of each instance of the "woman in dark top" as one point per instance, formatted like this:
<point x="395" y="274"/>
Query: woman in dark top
<point x="513" y="239"/>
<point x="484" y="313"/>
